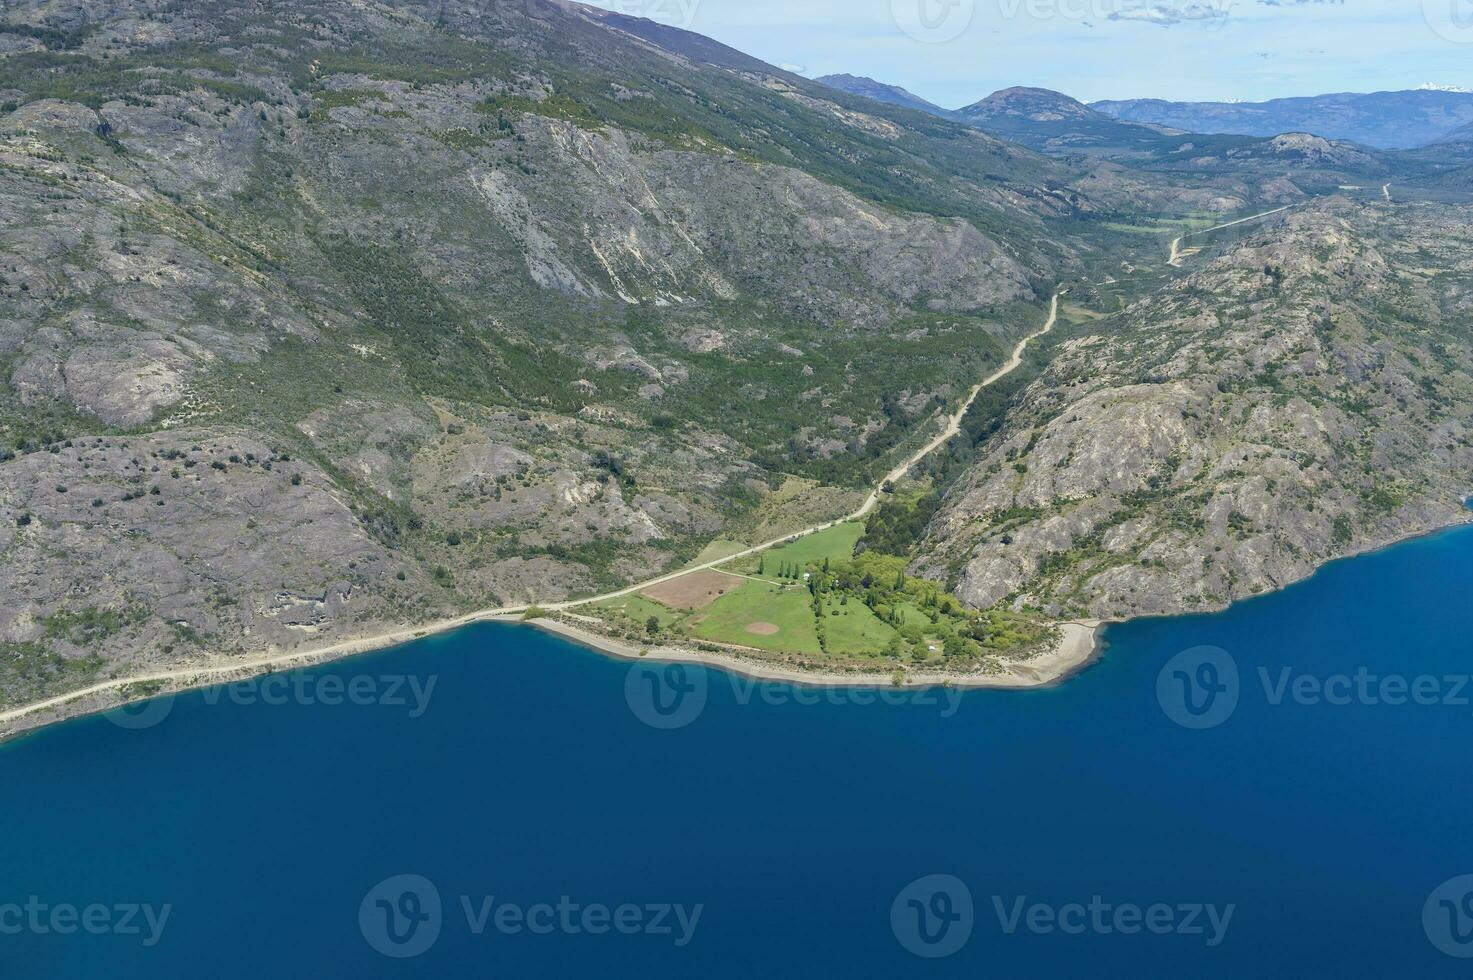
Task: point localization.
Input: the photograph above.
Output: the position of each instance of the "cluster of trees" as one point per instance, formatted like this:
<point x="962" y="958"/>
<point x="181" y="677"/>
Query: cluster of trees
<point x="921" y="612"/>
<point x="615" y="466"/>
<point x="789" y="570"/>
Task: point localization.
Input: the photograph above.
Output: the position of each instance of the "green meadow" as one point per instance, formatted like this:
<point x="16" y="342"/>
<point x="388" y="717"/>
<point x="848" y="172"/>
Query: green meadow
<point x="814" y="597"/>
<point x="834" y="545"/>
<point x="730" y="618"/>
<point x="852" y="629"/>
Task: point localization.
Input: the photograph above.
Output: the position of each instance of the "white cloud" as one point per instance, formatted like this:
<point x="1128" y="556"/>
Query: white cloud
<point x="1167" y="13"/>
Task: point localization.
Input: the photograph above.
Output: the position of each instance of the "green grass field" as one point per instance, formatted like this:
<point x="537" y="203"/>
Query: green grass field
<point x="853" y="628"/>
<point x="726" y="620"/>
<point x="638" y="609"/>
<point x="778" y="616"/>
<point x="913" y="615"/>
<point x="836" y="544"/>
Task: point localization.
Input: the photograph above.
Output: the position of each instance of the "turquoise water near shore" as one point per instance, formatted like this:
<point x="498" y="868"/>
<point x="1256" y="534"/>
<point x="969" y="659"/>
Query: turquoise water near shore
<point x="1184" y="769"/>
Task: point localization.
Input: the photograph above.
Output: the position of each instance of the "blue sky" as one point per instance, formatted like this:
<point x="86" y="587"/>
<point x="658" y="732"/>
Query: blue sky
<point x="953" y="52"/>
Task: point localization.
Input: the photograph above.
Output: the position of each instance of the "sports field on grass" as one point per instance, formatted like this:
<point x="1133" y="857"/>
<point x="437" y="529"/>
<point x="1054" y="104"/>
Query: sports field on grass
<point x="767" y="617"/>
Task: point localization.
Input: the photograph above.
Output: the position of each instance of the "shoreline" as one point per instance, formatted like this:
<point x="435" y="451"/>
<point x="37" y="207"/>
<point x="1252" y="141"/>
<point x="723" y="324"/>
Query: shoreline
<point x="1047" y="670"/>
<point x="1078" y="648"/>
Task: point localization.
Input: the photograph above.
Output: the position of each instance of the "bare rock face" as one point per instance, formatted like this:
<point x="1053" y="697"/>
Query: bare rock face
<point x="50" y="114"/>
<point x="127" y="383"/>
<point x="1303" y="397"/>
<point x="181" y="548"/>
<point x="669" y="228"/>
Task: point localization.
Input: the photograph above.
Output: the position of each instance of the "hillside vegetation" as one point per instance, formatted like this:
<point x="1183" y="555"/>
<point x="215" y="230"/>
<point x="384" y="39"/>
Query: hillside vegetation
<point x="321" y="319"/>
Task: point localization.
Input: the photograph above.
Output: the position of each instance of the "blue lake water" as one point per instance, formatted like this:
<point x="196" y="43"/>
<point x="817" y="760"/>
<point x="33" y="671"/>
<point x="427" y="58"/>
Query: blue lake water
<point x="532" y="773"/>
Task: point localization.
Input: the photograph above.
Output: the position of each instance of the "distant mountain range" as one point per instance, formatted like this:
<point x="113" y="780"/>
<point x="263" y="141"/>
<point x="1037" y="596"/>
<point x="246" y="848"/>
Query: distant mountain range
<point x="1463" y="134"/>
<point x="1385" y="120"/>
<point x="880" y="92"/>
<point x="1035" y="117"/>
<point x="1047" y="120"/>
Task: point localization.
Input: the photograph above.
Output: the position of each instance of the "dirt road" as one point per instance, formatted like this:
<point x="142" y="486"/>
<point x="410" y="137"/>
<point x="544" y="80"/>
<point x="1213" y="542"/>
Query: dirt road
<point x="232" y="670"/>
<point x="1176" y="257"/>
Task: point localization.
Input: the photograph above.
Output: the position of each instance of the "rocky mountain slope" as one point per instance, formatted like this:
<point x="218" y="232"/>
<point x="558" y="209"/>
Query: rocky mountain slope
<point x="1305" y="395"/>
<point x="319" y="320"/>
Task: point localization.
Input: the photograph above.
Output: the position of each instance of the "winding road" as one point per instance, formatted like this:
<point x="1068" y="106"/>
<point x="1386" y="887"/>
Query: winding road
<point x="1176" y="256"/>
<point x="196" y="676"/>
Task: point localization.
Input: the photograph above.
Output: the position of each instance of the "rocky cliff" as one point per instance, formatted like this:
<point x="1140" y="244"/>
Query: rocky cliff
<point x="1303" y="396"/>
